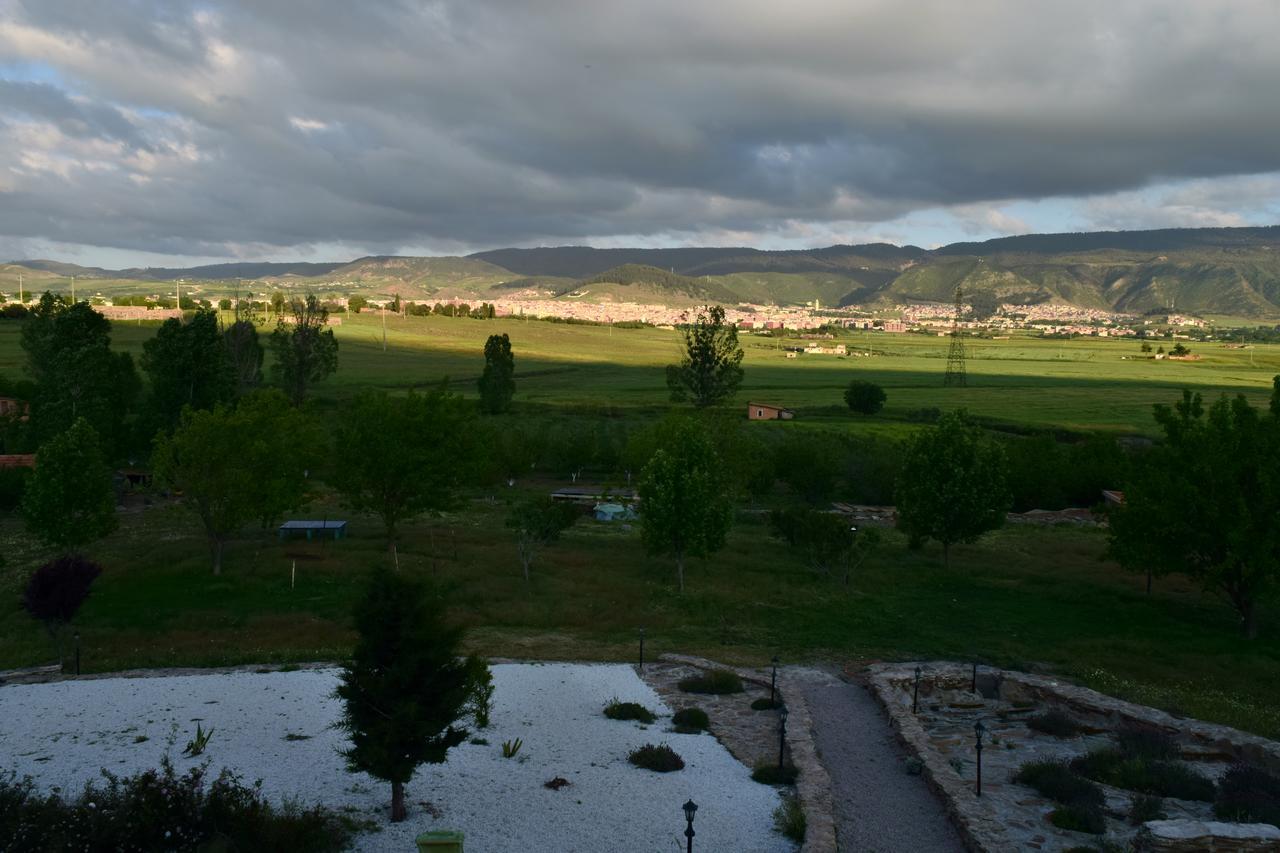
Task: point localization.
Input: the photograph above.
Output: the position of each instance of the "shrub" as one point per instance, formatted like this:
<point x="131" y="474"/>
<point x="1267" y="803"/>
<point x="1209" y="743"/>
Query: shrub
<point x="1147" y="743"/>
<point x="690" y="720"/>
<point x="616" y="710"/>
<point x="1054" y="780"/>
<point x="56" y="591"/>
<point x="160" y="810"/>
<point x="717" y="681"/>
<point x="659" y="758"/>
<point x="1079" y="818"/>
<point x="789" y="818"/>
<point x="1054" y="723"/>
<point x="769" y="773"/>
<point x="1248" y="795"/>
<point x="198" y="743"/>
<point x="480" y="705"/>
<point x="1114" y="767"/>
<point x="865" y="398"/>
<point x="1145" y="807"/>
<point x="763" y="704"/>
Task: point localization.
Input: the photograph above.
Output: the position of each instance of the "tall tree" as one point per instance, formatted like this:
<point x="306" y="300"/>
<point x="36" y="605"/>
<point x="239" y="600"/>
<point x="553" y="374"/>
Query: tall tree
<point x="69" y="356"/>
<point x="55" y="592"/>
<point x="953" y="486"/>
<point x="244" y="355"/>
<point x="497" y="382"/>
<point x="538" y="522"/>
<point x="238" y="465"/>
<point x="1204" y="502"/>
<point x="685" y="508"/>
<point x="405" y="686"/>
<point x="710" y="370"/>
<point x="69" y="500"/>
<point x="304" y="347"/>
<point x="188" y="366"/>
<point x="403" y="456"/>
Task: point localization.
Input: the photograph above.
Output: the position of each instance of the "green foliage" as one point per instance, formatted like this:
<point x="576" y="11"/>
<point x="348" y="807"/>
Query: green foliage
<point x="789" y="818"/>
<point x="865" y="398"/>
<point x="161" y="810"/>
<point x="1045" y="473"/>
<point x="403" y="456"/>
<point x="983" y="304"/>
<point x="1248" y="794"/>
<point x="1204" y="502"/>
<point x="237" y="465"/>
<point x="305" y="349"/>
<point x="405" y="686"/>
<point x="538" y="522"/>
<point x="616" y="710"/>
<point x="480" y="705"/>
<point x="1056" y="781"/>
<point x="768" y="772"/>
<point x="198" y="742"/>
<point x="810" y="463"/>
<point x="356" y="303"/>
<point x="763" y="704"/>
<point x="1076" y="817"/>
<point x="690" y="721"/>
<point x="511" y="748"/>
<point x="497" y="382"/>
<point x="825" y="539"/>
<point x="686" y="511"/>
<point x="244" y="355"/>
<point x="659" y="758"/>
<point x="1145" y="807"/>
<point x="1054" y="722"/>
<point x="717" y="681"/>
<point x="188" y="366"/>
<point x="69" y="500"/>
<point x="710" y="370"/>
<point x="954" y="484"/>
<point x="1145" y="775"/>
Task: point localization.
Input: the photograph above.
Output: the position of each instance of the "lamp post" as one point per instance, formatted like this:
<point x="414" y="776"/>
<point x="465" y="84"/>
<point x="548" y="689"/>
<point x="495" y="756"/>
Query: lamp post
<point x="974" y="685"/>
<point x="782" y="734"/>
<point x="773" y="683"/>
<point x="77" y="638"/>
<point x="978" y="731"/>
<point x="690" y="809"/>
<point x="915" y="693"/>
<point x="642" y="648"/>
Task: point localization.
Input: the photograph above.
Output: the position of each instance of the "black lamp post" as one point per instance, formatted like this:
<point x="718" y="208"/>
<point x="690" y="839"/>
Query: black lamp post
<point x="782" y="734"/>
<point x="773" y="683"/>
<point x="978" y="731"/>
<point x="690" y="809"/>
<point x="915" y="693"/>
<point x="642" y="648"/>
<point x="77" y="637"/>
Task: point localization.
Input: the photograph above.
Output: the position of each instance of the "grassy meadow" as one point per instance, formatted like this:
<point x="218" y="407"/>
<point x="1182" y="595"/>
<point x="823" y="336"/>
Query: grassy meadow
<point x="1033" y="597"/>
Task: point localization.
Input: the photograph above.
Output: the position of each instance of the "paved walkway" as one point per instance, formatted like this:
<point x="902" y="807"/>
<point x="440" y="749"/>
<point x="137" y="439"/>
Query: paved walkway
<point x="879" y="807"/>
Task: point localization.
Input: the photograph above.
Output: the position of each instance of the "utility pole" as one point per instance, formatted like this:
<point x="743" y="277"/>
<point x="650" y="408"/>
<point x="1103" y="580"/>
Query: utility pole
<point x="73" y="289"/>
<point x="20" y="298"/>
<point x="384" y="326"/>
<point x="955" y="376"/>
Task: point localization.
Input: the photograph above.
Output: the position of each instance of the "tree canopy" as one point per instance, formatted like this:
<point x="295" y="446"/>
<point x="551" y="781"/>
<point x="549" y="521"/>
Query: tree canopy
<point x="863" y="397"/>
<point x="69" y="501"/>
<point x="538" y="522"/>
<point x="244" y="355"/>
<point x="188" y="366"/>
<point x="497" y="382"/>
<point x="710" y="369"/>
<point x="304" y="347"/>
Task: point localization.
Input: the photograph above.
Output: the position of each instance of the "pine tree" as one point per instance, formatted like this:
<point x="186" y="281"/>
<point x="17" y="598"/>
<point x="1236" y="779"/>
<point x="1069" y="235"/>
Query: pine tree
<point x="497" y="383"/>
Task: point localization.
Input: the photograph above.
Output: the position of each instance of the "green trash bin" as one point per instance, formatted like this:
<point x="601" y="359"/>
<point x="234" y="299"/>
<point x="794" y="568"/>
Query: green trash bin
<point x="440" y="841"/>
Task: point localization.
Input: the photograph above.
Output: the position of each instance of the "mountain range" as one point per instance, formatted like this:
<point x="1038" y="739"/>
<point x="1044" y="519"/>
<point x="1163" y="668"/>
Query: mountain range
<point x="1219" y="271"/>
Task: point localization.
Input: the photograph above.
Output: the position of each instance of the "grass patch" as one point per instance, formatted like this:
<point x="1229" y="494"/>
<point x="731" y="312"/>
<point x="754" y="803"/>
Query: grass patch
<point x="1248" y="794"/>
<point x="789" y="818"/>
<point x="1055" y="723"/>
<point x="690" y="721"/>
<point x="1145" y="807"/>
<point x="1079" y="818"/>
<point x="717" y="681"/>
<point x="1056" y="781"/>
<point x="1144" y="775"/>
<point x="616" y="710"/>
<point x="659" y="758"/>
<point x="769" y="773"/>
<point x="292" y="736"/>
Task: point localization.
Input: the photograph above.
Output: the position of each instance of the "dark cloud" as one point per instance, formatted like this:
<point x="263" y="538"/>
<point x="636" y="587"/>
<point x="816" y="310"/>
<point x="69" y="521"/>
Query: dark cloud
<point x="224" y="128"/>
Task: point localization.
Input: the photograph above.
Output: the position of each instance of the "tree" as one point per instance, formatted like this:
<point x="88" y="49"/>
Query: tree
<point x="497" y="382"/>
<point x="55" y="592"/>
<point x="237" y="465"/>
<point x="188" y="365"/>
<point x="244" y="355"/>
<point x="1204" y="501"/>
<point x="305" y="350"/>
<point x="865" y="398"/>
<point x="537" y="523"/>
<point x="403" y="456"/>
<point x="1146" y="347"/>
<point x="405" y="686"/>
<point x="69" y="500"/>
<point x="76" y="374"/>
<point x="710" y="370"/>
<point x="983" y="303"/>
<point x="685" y="508"/>
<point x="356" y="304"/>
<point x="954" y="484"/>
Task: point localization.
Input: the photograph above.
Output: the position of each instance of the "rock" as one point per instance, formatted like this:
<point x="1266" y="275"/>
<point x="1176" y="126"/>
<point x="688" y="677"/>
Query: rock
<point x="1193" y="836"/>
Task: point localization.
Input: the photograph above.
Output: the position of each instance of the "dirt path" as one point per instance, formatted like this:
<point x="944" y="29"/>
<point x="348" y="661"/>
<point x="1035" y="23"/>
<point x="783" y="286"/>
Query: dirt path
<point x="879" y="807"/>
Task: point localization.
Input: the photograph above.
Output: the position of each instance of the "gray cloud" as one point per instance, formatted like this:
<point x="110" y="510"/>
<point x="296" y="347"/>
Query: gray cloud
<point x="241" y="128"/>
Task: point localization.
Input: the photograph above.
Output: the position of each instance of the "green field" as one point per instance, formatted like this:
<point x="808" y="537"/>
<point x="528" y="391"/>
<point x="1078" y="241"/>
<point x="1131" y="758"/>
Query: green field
<point x="1030" y="597"/>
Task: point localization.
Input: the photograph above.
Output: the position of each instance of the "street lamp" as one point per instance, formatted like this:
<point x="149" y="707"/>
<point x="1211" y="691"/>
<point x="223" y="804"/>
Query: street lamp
<point x="978" y="731"/>
<point x="782" y="734"/>
<point x="974" y="686"/>
<point x="690" y="809"/>
<point x="642" y="648"/>
<point x="77" y="637"/>
<point x="773" y="683"/>
<point x="915" y="693"/>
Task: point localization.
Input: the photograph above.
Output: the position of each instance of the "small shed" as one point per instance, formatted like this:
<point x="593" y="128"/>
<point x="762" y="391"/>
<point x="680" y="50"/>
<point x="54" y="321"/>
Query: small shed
<point x="313" y="529"/>
<point x="767" y="412"/>
<point x="613" y="512"/>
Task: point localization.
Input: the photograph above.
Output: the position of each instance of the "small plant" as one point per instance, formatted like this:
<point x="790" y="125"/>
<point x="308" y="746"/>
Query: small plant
<point x="557" y="783"/>
<point x="141" y="739"/>
<point x="690" y="721"/>
<point x="616" y="710"/>
<point x="769" y="773"/>
<point x="294" y="736"/>
<point x="717" y="681"/>
<point x="1145" y="807"/>
<point x="197" y="744"/>
<point x="1054" y="723"/>
<point x="789" y="818"/>
<point x="1147" y="743"/>
<point x="659" y="758"/>
<point x="914" y="766"/>
<point x="1248" y="795"/>
<point x="1079" y="818"/>
<point x="480" y="741"/>
<point x="480" y="705"/>
<point x="1054" y="780"/>
<point x="510" y="748"/>
<point x="763" y="704"/>
<point x="1163" y="778"/>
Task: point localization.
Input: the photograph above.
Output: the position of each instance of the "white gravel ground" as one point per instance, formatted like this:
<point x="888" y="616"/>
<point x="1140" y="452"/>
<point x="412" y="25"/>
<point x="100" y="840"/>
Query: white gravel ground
<point x="61" y="734"/>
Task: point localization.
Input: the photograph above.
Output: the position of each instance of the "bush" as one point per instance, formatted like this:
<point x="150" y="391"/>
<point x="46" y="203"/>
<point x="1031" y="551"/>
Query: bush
<point x="789" y="818"/>
<point x="160" y="810"/>
<point x="1054" y="723"/>
<point x="769" y="773"/>
<point x="659" y="758"/>
<point x="718" y="681"/>
<point x="1248" y="795"/>
<point x="616" y="710"/>
<point x="1079" y="818"/>
<point x="763" y="704"/>
<point x="1054" y="780"/>
<point x="1147" y="743"/>
<point x="58" y="588"/>
<point x="1145" y="807"/>
<point x="865" y="398"/>
<point x="1142" y="774"/>
<point x="690" y="720"/>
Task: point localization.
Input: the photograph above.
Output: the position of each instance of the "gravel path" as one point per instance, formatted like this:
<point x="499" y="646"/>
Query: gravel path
<point x="879" y="808"/>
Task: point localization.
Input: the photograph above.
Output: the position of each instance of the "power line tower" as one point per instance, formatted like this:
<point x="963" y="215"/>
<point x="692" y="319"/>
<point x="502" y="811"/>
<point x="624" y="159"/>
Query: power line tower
<point x="955" y="377"/>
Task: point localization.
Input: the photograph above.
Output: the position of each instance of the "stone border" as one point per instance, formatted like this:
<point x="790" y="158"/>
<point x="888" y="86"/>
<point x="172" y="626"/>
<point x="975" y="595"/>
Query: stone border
<point x="813" y="785"/>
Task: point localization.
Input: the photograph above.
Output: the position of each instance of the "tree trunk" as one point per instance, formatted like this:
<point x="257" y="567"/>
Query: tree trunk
<point x="397" y="802"/>
<point x="680" y="570"/>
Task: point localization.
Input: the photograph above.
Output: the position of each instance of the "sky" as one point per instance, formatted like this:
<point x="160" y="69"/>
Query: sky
<point x="177" y="132"/>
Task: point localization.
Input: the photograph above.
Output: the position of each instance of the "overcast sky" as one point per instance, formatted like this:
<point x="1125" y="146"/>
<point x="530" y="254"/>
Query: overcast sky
<point x="175" y="132"/>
